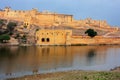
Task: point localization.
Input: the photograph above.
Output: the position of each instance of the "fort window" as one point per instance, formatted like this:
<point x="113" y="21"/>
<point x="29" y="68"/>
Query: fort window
<point x="43" y="39"/>
<point x="47" y="39"/>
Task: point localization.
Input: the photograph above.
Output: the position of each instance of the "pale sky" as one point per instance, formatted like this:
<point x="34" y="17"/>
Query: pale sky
<point x="97" y="9"/>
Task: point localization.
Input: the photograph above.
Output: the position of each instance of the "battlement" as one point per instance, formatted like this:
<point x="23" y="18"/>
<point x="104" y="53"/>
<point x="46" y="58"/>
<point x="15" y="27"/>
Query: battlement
<point x="46" y="18"/>
<point x="35" y="17"/>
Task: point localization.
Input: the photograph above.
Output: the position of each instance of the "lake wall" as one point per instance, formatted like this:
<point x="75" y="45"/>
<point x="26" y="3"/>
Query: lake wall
<point x="98" y="40"/>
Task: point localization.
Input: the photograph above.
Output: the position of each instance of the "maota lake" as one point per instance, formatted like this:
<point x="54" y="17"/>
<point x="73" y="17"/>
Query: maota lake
<point x="16" y="61"/>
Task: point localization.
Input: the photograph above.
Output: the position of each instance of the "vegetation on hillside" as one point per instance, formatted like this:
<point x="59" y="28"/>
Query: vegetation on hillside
<point x="91" y="32"/>
<point x="4" y="38"/>
<point x="18" y="30"/>
<point x="25" y="26"/>
<point x="24" y="38"/>
<point x="11" y="26"/>
<point x="1" y="23"/>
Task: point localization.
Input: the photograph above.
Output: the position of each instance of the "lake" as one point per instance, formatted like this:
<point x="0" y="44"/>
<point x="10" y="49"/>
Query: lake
<point x="16" y="61"/>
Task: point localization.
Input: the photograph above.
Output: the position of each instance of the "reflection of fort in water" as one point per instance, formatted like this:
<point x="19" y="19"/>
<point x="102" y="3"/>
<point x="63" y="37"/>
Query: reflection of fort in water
<point x="51" y="57"/>
<point x="42" y="59"/>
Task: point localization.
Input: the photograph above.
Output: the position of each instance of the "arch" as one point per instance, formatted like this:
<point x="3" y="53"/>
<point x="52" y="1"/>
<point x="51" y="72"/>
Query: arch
<point x="48" y="39"/>
<point x="43" y="39"/>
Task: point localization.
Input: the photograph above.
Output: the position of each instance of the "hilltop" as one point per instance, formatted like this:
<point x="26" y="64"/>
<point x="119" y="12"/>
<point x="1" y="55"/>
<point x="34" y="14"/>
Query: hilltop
<point x="29" y="21"/>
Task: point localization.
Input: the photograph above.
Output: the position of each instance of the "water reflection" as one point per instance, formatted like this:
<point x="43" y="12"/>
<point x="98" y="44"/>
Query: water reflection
<point x="91" y="56"/>
<point x="19" y="61"/>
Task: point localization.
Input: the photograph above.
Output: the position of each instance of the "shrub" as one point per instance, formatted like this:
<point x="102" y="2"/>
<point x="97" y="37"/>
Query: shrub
<point x="4" y="38"/>
<point x="91" y="33"/>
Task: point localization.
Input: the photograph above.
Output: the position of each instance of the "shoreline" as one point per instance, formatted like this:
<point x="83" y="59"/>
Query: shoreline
<point x="74" y="75"/>
<point x="113" y="74"/>
<point x="9" y="44"/>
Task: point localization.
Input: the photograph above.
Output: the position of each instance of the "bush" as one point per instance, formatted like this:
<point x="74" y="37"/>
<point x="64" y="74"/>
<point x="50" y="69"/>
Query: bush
<point x="11" y="26"/>
<point x="4" y="38"/>
<point x="1" y="23"/>
<point x="91" y="33"/>
<point x="25" y="26"/>
<point x="24" y="39"/>
<point x="17" y="36"/>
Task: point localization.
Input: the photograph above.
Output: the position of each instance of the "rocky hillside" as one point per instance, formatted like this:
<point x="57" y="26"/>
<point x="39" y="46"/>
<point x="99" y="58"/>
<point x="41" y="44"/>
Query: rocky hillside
<point x="30" y="29"/>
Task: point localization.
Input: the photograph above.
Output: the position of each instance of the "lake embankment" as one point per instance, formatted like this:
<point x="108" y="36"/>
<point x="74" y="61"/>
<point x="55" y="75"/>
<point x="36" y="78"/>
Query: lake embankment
<point x="114" y="74"/>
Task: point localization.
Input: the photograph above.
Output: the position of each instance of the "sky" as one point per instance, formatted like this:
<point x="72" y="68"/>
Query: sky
<point x="108" y="10"/>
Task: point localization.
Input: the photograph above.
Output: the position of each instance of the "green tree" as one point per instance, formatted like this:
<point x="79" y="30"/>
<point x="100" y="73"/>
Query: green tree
<point x="4" y="37"/>
<point x="17" y="36"/>
<point x="1" y="23"/>
<point x="11" y="26"/>
<point x="91" y="32"/>
<point x="25" y="26"/>
<point x="24" y="38"/>
<point x="37" y="30"/>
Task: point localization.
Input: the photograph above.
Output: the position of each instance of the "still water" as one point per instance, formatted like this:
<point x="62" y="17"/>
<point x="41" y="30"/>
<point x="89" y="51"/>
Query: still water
<point x="18" y="61"/>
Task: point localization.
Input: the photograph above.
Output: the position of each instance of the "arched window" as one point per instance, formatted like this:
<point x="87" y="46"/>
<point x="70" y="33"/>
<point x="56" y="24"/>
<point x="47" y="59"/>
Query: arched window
<point x="43" y="39"/>
<point x="48" y="40"/>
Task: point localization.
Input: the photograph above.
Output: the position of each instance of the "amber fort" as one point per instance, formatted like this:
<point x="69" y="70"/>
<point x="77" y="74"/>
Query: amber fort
<point x="60" y="29"/>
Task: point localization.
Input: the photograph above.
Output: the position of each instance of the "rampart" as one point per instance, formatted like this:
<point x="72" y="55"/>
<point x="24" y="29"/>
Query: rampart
<point x="50" y="19"/>
<point x="35" y="17"/>
<point x="98" y="40"/>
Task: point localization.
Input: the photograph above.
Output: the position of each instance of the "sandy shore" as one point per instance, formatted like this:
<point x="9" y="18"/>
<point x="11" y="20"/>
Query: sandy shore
<point x="75" y="75"/>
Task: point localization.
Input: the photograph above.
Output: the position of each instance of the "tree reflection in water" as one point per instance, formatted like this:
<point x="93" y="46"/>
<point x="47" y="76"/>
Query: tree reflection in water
<point x="7" y="52"/>
<point x="91" y="55"/>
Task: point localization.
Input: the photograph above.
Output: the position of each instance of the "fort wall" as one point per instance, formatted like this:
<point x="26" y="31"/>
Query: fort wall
<point x="94" y="41"/>
<point x="50" y="18"/>
<point x="53" y="37"/>
<point x="60" y="37"/>
<point x="65" y="37"/>
<point x="35" y="17"/>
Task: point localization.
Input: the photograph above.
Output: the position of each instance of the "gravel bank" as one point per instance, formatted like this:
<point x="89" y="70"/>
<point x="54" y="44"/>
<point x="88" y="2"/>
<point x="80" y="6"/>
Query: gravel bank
<point x="74" y="75"/>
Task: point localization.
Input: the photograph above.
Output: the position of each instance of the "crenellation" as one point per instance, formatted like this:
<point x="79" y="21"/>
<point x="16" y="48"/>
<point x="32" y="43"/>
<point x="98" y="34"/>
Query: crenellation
<point x="38" y="17"/>
<point x="49" y="19"/>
